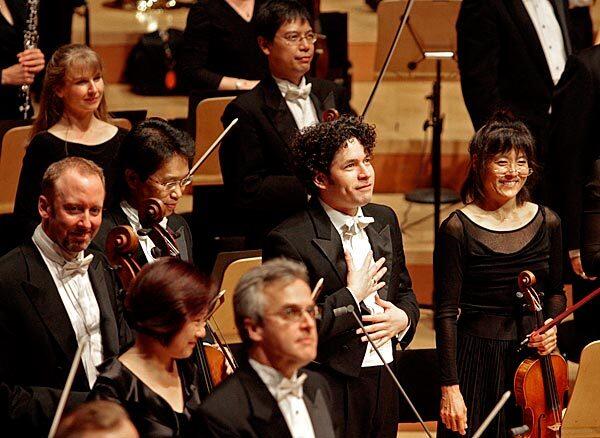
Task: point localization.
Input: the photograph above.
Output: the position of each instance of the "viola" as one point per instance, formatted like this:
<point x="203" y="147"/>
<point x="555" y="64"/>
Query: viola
<point x="541" y="383"/>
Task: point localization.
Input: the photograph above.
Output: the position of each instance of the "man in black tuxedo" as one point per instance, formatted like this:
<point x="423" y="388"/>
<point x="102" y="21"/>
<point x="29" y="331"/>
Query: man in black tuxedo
<point x="268" y="395"/>
<point x="356" y="247"/>
<point x="55" y="295"/>
<point x="511" y="53"/>
<point x="255" y="156"/>
<point x="154" y="162"/>
<point x="572" y="152"/>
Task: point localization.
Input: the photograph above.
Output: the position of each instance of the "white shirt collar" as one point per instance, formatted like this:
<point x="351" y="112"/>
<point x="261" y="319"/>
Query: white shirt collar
<point x="284" y="85"/>
<point x="269" y="375"/>
<point x="50" y="249"/>
<point x="339" y="219"/>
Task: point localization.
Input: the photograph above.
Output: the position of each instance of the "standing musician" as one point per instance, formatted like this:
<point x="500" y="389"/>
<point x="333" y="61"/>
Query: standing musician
<point x="166" y="304"/>
<point x="356" y="247"/>
<point x="153" y="161"/>
<point x="55" y="294"/>
<point x="481" y="248"/>
<point x="255" y="156"/>
<point x="268" y="396"/>
<point x="17" y="66"/>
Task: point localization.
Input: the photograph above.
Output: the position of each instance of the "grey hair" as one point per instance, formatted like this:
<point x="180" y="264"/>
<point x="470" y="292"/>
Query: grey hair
<point x="249" y="297"/>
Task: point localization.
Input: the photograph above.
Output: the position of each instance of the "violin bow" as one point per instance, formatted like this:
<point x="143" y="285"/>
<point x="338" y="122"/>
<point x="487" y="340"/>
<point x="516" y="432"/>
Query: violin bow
<point x="543" y="329"/>
<point x="211" y="148"/>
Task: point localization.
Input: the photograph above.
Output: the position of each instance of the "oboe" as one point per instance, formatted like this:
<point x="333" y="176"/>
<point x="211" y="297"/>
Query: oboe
<point x="30" y="37"/>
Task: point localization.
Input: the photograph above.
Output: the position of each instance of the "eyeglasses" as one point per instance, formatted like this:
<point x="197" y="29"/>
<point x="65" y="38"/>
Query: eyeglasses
<point x="170" y="186"/>
<point x="522" y="171"/>
<point x="294" y="38"/>
<point x="296" y="313"/>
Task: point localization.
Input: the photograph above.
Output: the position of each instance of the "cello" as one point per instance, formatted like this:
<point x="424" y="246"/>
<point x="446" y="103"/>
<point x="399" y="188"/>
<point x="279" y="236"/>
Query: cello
<point x="541" y="383"/>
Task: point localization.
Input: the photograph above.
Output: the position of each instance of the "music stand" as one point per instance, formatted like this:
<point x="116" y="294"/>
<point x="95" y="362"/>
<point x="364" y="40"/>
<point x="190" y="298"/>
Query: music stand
<point x="428" y="41"/>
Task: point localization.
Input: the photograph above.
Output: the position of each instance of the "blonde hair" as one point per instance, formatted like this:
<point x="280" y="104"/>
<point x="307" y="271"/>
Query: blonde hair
<point x="66" y="59"/>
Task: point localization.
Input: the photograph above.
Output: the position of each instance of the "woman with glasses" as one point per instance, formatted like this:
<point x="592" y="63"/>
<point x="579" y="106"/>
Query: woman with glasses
<point x="72" y="121"/>
<point x="155" y="380"/>
<point x="153" y="162"/>
<point x="480" y="250"/>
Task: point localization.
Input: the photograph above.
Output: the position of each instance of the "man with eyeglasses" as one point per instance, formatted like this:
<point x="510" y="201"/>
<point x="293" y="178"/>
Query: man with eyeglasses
<point x="268" y="395"/>
<point x="255" y="157"/>
<point x="154" y="162"/>
<point x="356" y="247"/>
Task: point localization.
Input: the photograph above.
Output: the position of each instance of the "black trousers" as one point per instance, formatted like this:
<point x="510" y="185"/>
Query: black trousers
<point x="367" y="405"/>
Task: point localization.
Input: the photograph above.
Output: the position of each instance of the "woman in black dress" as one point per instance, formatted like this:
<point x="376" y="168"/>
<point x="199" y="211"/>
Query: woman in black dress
<point x="17" y="66"/>
<point x="480" y="250"/>
<point x="73" y="121"/>
<point x="221" y="51"/>
<point x="155" y="380"/>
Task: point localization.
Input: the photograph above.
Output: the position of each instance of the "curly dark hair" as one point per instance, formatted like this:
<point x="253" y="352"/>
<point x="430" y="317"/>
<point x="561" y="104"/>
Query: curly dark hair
<point x="502" y="133"/>
<point x="314" y="148"/>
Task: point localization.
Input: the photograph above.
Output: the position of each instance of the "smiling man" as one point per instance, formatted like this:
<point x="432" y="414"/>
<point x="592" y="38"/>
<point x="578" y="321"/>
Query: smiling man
<point x="54" y="296"/>
<point x="268" y="396"/>
<point x="255" y="156"/>
<point x="356" y="247"/>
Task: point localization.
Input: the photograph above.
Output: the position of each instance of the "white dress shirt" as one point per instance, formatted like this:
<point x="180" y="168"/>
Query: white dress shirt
<point x="292" y="406"/>
<point x="297" y="98"/>
<point x="359" y="246"/>
<point x="77" y="295"/>
<point x="550" y="35"/>
<point x="134" y="220"/>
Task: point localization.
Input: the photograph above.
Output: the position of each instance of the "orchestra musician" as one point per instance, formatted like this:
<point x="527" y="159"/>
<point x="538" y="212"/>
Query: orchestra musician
<point x="480" y="251"/>
<point x="56" y="294"/>
<point x="255" y="156"/>
<point x="155" y="380"/>
<point x="97" y="419"/>
<point x="17" y="66"/>
<point x="73" y="121"/>
<point x="153" y="162"/>
<point x="356" y="247"/>
<point x="269" y="395"/>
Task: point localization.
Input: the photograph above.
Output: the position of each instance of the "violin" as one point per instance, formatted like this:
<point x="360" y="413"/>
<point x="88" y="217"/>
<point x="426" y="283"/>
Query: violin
<point x="541" y="383"/>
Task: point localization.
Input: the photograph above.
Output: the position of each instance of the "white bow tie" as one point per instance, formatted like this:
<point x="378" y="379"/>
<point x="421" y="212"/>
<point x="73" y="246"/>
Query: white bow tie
<point x="294" y="92"/>
<point x="290" y="387"/>
<point x="75" y="267"/>
<point x="356" y="223"/>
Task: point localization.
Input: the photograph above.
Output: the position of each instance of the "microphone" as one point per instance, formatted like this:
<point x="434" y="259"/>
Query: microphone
<point x="492" y="414"/>
<point x="339" y="311"/>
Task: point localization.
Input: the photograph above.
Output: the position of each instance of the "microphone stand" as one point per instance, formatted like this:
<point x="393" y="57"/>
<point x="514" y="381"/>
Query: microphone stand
<point x="350" y="309"/>
<point x="491" y="415"/>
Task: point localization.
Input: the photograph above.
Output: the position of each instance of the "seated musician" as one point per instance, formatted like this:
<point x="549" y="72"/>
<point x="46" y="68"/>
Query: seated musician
<point x="155" y="380"/>
<point x="97" y="419"/>
<point x="356" y="247"/>
<point x="153" y="161"/>
<point x="55" y="294"/>
<point x="255" y="156"/>
<point x="268" y="395"/>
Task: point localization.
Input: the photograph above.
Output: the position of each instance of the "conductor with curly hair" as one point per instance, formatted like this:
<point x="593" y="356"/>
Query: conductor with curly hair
<point x="356" y="247"/>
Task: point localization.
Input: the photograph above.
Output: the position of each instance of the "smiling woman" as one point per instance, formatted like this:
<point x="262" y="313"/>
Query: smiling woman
<point x="72" y="121"/>
<point x="480" y="250"/>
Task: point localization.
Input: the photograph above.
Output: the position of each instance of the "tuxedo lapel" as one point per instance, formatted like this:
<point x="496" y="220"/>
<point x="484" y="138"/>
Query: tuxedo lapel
<point x="278" y="112"/>
<point x="108" y="323"/>
<point x="43" y="295"/>
<point x="266" y="417"/>
<point x="321" y="103"/>
<point x="530" y="36"/>
<point x="318" y="410"/>
<point x="328" y="240"/>
<point x="180" y="240"/>
<point x="381" y="243"/>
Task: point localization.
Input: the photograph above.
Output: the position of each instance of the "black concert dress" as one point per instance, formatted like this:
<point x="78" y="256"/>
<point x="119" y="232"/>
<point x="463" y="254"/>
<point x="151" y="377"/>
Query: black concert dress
<point x="149" y="412"/>
<point x="219" y="42"/>
<point x="479" y="319"/>
<point x="45" y="149"/>
<point x="11" y="43"/>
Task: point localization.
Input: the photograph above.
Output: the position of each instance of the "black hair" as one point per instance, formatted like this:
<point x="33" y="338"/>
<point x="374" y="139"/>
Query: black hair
<point x="502" y="133"/>
<point x="274" y="13"/>
<point x="148" y="146"/>
<point x="314" y="148"/>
